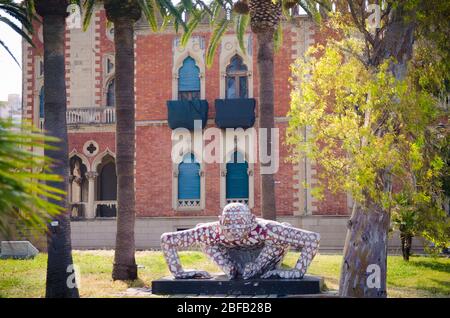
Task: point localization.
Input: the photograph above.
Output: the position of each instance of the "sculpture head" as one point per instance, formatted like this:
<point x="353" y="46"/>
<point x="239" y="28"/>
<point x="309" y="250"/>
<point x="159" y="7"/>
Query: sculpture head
<point x="236" y="221"/>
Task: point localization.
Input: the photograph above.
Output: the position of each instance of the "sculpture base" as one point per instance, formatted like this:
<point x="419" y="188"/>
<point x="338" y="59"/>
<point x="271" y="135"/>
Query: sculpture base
<point x="221" y="285"/>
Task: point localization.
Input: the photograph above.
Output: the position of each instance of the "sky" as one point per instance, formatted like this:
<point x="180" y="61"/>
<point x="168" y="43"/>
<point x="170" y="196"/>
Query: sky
<point x="10" y="72"/>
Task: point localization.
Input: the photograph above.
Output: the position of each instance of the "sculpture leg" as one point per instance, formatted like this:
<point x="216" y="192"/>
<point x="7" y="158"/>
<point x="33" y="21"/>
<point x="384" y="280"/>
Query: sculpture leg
<point x="308" y="252"/>
<point x="219" y="255"/>
<point x="269" y="259"/>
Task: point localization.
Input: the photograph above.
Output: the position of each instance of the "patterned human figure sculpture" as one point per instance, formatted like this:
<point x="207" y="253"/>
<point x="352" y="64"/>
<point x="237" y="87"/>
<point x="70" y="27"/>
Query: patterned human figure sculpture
<point x="242" y="246"/>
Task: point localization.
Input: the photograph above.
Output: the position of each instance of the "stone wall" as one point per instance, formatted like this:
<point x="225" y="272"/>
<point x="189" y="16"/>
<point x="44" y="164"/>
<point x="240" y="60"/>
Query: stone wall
<point x="100" y="234"/>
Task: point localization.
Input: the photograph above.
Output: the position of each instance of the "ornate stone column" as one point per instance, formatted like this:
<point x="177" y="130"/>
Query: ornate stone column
<point x="90" y="209"/>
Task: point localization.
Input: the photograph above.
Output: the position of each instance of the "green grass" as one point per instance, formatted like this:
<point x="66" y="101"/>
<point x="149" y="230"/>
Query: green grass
<point x="421" y="277"/>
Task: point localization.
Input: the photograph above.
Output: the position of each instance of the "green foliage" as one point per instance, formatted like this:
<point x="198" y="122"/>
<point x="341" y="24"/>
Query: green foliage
<point x="366" y="127"/>
<point x="151" y="9"/>
<point x="221" y="21"/>
<point x="362" y="120"/>
<point x="23" y="173"/>
<point x="23" y="14"/>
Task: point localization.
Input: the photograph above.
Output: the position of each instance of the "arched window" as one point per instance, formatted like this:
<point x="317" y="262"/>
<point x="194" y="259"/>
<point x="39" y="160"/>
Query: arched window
<point x="189" y="80"/>
<point x="110" y="93"/>
<point x="106" y="187"/>
<point x="41" y="102"/>
<point x="78" y="187"/>
<point x="236" y="80"/>
<point x="237" y="178"/>
<point x="189" y="179"/>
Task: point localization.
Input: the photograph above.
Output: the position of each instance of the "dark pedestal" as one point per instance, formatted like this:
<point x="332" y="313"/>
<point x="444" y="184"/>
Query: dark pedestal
<point x="221" y="285"/>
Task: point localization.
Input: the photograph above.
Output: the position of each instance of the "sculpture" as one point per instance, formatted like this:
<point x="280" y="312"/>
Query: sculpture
<point x="242" y="246"/>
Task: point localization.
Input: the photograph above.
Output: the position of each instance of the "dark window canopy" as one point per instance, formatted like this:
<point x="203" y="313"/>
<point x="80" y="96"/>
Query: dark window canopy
<point x="235" y="113"/>
<point x="182" y="113"/>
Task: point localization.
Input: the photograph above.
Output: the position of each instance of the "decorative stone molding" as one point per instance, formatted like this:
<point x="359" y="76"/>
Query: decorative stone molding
<point x="187" y="205"/>
<point x="195" y="48"/>
<point x="84" y="159"/>
<point x="250" y="201"/>
<point x="98" y="159"/>
<point x="91" y="175"/>
<point x="304" y="173"/>
<point x="229" y="48"/>
<point x="90" y="148"/>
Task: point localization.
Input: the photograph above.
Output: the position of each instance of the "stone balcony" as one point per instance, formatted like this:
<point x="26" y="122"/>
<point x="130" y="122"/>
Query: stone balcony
<point x="91" y="115"/>
<point x="105" y="115"/>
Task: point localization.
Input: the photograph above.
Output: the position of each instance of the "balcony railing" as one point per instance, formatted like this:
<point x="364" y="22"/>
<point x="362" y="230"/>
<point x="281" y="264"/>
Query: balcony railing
<point x="188" y="203"/>
<point x="235" y="113"/>
<point x="238" y="200"/>
<point x="183" y="113"/>
<point x="91" y="115"/>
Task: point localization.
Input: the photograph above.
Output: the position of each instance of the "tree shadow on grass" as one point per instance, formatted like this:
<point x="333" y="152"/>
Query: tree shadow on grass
<point x="435" y="266"/>
<point x="445" y="290"/>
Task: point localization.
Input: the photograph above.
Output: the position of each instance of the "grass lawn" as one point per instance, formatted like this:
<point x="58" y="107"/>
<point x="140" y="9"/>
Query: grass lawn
<point x="421" y="277"/>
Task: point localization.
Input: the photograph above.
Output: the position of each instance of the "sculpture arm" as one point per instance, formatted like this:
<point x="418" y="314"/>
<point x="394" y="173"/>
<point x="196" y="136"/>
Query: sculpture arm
<point x="170" y="242"/>
<point x="306" y="241"/>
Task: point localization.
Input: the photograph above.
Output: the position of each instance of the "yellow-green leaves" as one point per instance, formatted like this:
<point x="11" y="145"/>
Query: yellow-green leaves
<point x="23" y="173"/>
<point x="360" y="120"/>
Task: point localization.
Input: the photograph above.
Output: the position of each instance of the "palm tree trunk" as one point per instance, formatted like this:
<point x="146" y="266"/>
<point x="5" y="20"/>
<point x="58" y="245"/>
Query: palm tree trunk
<point x="124" y="261"/>
<point x="60" y="278"/>
<point x="266" y="117"/>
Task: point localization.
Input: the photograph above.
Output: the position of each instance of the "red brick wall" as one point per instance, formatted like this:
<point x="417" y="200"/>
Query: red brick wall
<point x="105" y="140"/>
<point x="153" y="151"/>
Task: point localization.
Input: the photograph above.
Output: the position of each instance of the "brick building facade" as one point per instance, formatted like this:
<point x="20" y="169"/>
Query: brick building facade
<point x="158" y="59"/>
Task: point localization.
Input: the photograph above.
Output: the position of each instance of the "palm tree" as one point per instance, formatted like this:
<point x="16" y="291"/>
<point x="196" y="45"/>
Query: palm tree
<point x="23" y="16"/>
<point x="124" y="14"/>
<point x="53" y="13"/>
<point x="23" y="194"/>
<point x="264" y="17"/>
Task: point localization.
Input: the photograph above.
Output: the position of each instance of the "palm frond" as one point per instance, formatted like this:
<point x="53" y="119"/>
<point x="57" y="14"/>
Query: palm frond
<point x="9" y="52"/>
<point x="278" y="38"/>
<point x="176" y="12"/>
<point x="88" y="7"/>
<point x="192" y="25"/>
<point x="148" y="7"/>
<point x="242" y="22"/>
<point x="24" y="197"/>
<point x="216" y="36"/>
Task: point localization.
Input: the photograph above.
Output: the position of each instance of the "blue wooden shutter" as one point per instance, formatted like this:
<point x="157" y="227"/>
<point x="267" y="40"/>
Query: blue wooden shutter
<point x="237" y="178"/>
<point x="189" y="76"/>
<point x="41" y="103"/>
<point x="189" y="178"/>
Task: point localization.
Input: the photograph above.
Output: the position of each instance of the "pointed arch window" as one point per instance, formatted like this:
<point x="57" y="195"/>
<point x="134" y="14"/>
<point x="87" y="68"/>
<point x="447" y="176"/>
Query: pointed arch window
<point x="236" y="80"/>
<point x="41" y="102"/>
<point x="237" y="181"/>
<point x="189" y="179"/>
<point x="189" y="80"/>
<point x="110" y="93"/>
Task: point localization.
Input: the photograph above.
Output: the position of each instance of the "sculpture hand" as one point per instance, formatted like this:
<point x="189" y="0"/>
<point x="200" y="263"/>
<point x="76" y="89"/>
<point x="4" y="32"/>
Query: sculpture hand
<point x="192" y="274"/>
<point x="283" y="273"/>
<point x="250" y="271"/>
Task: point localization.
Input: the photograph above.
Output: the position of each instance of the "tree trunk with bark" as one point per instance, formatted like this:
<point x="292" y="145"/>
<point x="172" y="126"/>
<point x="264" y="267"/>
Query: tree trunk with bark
<point x="264" y="18"/>
<point x="366" y="243"/>
<point x="124" y="15"/>
<point x="60" y="272"/>
<point x="406" y="240"/>
<point x="364" y="266"/>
